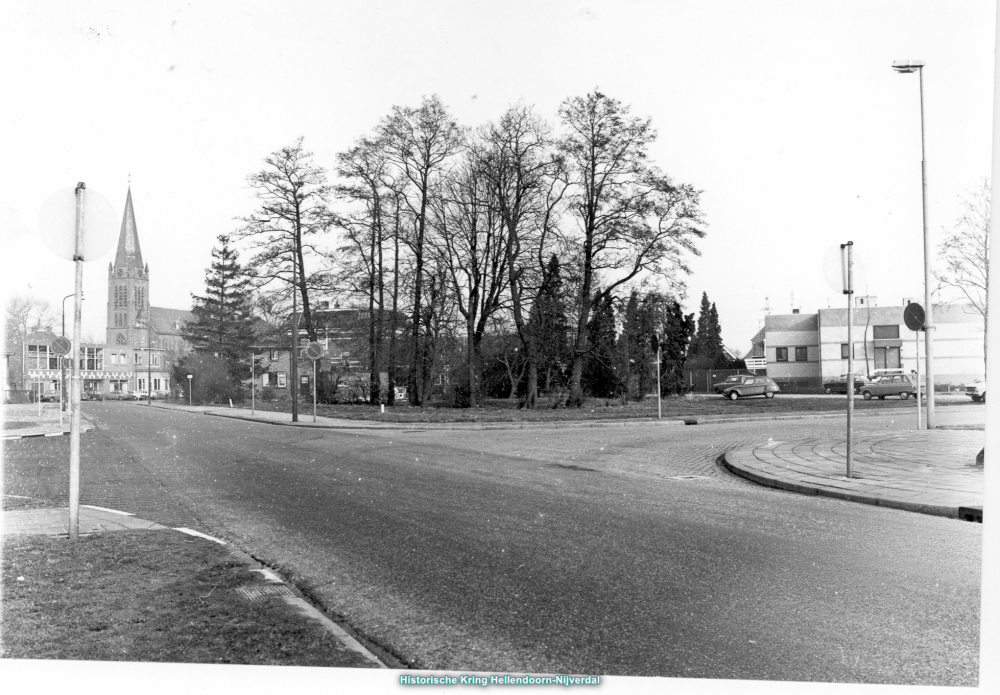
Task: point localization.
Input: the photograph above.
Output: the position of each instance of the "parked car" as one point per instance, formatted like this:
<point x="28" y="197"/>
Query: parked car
<point x="977" y="391"/>
<point x="757" y="386"/>
<point x="839" y="384"/>
<point x="50" y="397"/>
<point x="735" y="380"/>
<point x="889" y="385"/>
<point x="91" y="396"/>
<point x="127" y="396"/>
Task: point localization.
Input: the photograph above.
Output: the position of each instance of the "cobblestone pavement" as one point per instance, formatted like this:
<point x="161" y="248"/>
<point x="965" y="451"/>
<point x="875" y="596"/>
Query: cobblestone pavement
<point x="931" y="472"/>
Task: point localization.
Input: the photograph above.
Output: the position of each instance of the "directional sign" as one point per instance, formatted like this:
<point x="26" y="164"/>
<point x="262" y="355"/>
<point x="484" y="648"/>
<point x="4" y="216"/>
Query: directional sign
<point x="314" y="351"/>
<point x="60" y="347"/>
<point x="913" y="316"/>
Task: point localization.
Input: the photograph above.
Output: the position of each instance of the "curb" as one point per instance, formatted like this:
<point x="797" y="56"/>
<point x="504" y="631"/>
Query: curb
<point x="10" y="437"/>
<point x="769" y="481"/>
<point x="472" y="426"/>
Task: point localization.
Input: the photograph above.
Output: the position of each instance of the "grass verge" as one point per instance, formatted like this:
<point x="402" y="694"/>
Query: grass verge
<point x="503" y="410"/>
<point x="148" y="596"/>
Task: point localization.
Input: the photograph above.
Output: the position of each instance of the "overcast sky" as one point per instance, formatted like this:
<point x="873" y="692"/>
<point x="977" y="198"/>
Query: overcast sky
<point x="786" y="114"/>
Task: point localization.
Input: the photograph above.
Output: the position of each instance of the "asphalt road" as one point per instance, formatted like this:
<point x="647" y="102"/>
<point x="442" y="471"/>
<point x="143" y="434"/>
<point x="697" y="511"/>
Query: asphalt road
<point x="597" y="550"/>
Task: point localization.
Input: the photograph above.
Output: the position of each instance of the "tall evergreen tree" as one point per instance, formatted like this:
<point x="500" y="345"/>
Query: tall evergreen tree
<point x="678" y="330"/>
<point x="600" y="378"/>
<point x="549" y="327"/>
<point x="706" y="350"/>
<point x="223" y="322"/>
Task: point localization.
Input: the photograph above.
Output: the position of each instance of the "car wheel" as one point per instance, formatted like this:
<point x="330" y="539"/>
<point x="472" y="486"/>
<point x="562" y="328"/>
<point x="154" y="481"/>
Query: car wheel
<point x="769" y="394"/>
<point x="976" y="399"/>
<point x="733" y="395"/>
<point x="829" y="390"/>
<point x="983" y="399"/>
<point x="903" y="395"/>
<point x="881" y="398"/>
<point x="867" y="395"/>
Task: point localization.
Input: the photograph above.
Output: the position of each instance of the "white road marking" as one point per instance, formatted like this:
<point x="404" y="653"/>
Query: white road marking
<point x="105" y="509"/>
<point x="192" y="532"/>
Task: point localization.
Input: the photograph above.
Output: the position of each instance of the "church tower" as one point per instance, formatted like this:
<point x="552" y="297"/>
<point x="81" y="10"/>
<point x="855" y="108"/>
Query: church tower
<point x="128" y="287"/>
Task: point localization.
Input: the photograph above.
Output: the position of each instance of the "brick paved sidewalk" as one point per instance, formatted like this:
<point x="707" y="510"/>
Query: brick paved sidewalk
<point x="930" y="472"/>
<point x="27" y="420"/>
<point x="55" y="521"/>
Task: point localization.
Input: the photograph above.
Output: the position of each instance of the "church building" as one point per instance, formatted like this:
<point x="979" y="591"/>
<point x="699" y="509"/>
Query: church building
<point x="142" y="342"/>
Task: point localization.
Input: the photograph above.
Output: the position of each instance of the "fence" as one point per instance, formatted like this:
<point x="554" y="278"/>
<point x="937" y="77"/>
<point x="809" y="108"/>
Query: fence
<point x="701" y="380"/>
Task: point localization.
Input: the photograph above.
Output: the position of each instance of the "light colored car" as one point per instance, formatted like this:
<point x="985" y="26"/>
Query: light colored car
<point x="977" y="391"/>
<point x="735" y="380"/>
<point x="758" y="386"/>
<point x="889" y="385"/>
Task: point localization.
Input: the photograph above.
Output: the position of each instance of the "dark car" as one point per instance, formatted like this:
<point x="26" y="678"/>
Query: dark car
<point x="50" y="397"/>
<point x="889" y="385"/>
<point x="757" y="386"/>
<point x="735" y="380"/>
<point x="91" y="396"/>
<point x="839" y="384"/>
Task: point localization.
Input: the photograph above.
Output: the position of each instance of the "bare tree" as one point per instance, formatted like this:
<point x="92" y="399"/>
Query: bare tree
<point x="367" y="186"/>
<point x="631" y="218"/>
<point x="471" y="244"/>
<point x="965" y="252"/>
<point x="528" y="186"/>
<point x="419" y="142"/>
<point x="282" y="234"/>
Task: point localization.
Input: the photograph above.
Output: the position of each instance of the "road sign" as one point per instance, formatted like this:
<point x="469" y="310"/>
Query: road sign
<point x="654" y="343"/>
<point x="60" y="347"/>
<point x="913" y="316"/>
<point x="57" y="223"/>
<point x="835" y="270"/>
<point x="314" y="350"/>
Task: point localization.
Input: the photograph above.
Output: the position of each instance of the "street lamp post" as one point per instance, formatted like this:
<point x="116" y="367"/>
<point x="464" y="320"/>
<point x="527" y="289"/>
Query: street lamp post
<point x="908" y="66"/>
<point x="190" y="396"/>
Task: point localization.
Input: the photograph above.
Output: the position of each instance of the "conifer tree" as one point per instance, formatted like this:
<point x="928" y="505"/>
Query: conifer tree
<point x="549" y="327"/>
<point x="223" y="322"/>
<point x="678" y="330"/>
<point x="599" y="376"/>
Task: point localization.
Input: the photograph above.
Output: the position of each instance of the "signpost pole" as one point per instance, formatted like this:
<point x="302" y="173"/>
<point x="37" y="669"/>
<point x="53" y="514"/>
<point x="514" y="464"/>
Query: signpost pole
<point x="659" y="388"/>
<point x="849" y="291"/>
<point x="916" y="341"/>
<point x="253" y="384"/>
<point x="314" y="390"/>
<point x="74" y="398"/>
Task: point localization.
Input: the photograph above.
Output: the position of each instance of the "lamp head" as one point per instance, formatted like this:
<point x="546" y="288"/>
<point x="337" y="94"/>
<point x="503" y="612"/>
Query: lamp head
<point x="907" y="65"/>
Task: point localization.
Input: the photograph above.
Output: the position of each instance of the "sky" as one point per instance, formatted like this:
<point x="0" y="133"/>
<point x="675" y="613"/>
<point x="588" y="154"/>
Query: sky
<point x="786" y="115"/>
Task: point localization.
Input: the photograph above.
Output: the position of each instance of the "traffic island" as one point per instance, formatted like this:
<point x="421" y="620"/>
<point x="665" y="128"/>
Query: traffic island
<point x="925" y="472"/>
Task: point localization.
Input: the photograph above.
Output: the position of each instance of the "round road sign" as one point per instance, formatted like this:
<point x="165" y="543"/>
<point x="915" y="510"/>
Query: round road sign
<point x="57" y="224"/>
<point x="314" y="351"/>
<point x="913" y="316"/>
<point x="60" y="347"/>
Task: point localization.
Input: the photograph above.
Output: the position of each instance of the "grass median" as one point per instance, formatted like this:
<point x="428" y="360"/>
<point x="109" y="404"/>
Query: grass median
<point x="675" y="407"/>
<point x="148" y="596"/>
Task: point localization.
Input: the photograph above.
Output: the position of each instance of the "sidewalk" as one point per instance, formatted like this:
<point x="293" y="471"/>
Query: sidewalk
<point x="930" y="472"/>
<point x="24" y="420"/>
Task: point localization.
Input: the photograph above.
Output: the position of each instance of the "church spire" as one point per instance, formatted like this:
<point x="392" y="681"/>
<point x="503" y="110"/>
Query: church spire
<point x="129" y="255"/>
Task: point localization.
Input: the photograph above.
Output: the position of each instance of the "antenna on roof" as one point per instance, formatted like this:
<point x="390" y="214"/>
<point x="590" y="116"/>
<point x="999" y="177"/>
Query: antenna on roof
<point x="767" y="306"/>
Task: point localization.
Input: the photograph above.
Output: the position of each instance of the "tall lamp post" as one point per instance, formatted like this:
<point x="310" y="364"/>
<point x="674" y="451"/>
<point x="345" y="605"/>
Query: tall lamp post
<point x="908" y="66"/>
<point x="62" y="360"/>
<point x="149" y="360"/>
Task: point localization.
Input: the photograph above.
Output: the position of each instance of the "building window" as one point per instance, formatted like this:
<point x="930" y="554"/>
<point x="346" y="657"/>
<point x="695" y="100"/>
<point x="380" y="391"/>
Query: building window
<point x="138" y="358"/>
<point x="120" y="339"/>
<point x="781" y="354"/>
<point x="272" y="355"/>
<point x="37" y="356"/>
<point x="801" y="354"/>
<point x="886" y="332"/>
<point x="154" y="359"/>
<point x="91" y="358"/>
<point x="845" y="351"/>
